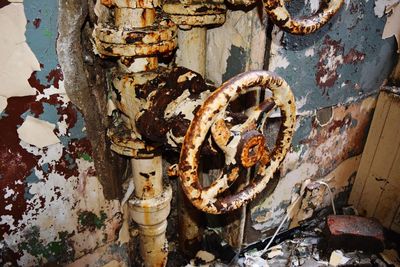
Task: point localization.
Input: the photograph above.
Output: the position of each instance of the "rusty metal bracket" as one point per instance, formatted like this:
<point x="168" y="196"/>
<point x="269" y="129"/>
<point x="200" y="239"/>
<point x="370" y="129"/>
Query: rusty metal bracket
<point x="243" y="147"/>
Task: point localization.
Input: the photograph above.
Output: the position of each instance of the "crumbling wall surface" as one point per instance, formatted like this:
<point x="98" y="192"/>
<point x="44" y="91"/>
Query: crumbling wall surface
<point x="236" y="46"/>
<point x="52" y="206"/>
<point x="335" y="75"/>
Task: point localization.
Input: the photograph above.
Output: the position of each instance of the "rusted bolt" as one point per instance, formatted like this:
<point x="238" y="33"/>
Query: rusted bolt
<point x="251" y="149"/>
<point x="280" y="16"/>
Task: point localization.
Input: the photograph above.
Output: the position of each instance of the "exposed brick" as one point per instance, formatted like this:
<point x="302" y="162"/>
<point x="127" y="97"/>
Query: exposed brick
<point x="350" y="232"/>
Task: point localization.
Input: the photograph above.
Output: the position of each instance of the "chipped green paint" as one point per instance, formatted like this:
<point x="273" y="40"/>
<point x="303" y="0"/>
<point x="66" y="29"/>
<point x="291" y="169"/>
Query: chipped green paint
<point x="296" y="148"/>
<point x="47" y="33"/>
<point x="90" y="220"/>
<point x="86" y="157"/>
<point x="57" y="252"/>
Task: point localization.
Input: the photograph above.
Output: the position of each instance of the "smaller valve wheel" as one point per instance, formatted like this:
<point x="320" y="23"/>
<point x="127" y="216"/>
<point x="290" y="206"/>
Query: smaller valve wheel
<point x="278" y="13"/>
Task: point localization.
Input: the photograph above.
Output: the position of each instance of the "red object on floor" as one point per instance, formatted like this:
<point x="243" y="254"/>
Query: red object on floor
<point x="351" y="232"/>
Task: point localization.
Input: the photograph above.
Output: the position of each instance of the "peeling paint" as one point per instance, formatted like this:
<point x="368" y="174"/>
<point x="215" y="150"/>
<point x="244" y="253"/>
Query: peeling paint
<point x="17" y="59"/>
<point x="392" y="27"/>
<point x="47" y="184"/>
<point x="235" y="36"/>
<point x="315" y="156"/>
<point x="383" y="7"/>
<point x="37" y="132"/>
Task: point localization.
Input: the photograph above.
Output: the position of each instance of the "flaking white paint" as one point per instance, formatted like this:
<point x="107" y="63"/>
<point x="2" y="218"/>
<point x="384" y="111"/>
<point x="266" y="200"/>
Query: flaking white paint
<point x="8" y="192"/>
<point x="392" y="26"/>
<point x="309" y="52"/>
<point x="56" y="214"/>
<point x="314" y="5"/>
<point x="277" y="59"/>
<point x="283" y="193"/>
<point x="37" y="132"/>
<point x="17" y="59"/>
<point x="3" y="103"/>
<point x="383" y="7"/>
<point x="236" y="31"/>
<point x="60" y="92"/>
<point x="7" y="220"/>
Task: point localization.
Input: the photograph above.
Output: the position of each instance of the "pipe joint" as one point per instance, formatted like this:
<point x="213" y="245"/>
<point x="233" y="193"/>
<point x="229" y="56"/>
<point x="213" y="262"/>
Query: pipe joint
<point x="151" y="211"/>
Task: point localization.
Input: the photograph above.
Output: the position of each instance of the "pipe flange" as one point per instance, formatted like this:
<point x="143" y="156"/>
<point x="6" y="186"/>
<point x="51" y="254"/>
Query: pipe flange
<point x="163" y="30"/>
<point x="196" y="14"/>
<point x="159" y="38"/>
<point x="186" y="22"/>
<point x="151" y="211"/>
<point x="124" y="144"/>
<point x="132" y="3"/>
<point x="137" y="49"/>
<point x="194" y="9"/>
<point x="127" y="87"/>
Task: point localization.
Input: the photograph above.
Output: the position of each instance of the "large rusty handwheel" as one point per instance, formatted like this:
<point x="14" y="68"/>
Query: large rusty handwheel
<point x="278" y="13"/>
<point x="244" y="145"/>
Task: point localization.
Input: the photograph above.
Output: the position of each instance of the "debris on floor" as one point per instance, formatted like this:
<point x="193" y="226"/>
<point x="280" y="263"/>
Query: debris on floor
<point x="317" y="242"/>
<point x="391" y="257"/>
<point x="203" y="259"/>
<point x="337" y="258"/>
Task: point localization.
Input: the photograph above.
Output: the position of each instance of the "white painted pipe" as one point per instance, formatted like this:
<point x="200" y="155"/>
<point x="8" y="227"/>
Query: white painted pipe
<point x="134" y="17"/>
<point x="191" y="54"/>
<point x="150" y="208"/>
<point x="147" y="177"/>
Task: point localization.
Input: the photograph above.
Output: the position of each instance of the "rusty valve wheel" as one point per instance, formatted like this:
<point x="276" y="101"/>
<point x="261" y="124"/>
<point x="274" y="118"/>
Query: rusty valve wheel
<point x="278" y="13"/>
<point x="244" y="145"/>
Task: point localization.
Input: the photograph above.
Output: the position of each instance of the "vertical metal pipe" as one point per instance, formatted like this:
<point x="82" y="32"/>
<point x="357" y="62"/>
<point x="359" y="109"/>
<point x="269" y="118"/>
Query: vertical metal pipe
<point x="150" y="206"/>
<point x="191" y="54"/>
<point x="192" y="49"/>
<point x="147" y="177"/>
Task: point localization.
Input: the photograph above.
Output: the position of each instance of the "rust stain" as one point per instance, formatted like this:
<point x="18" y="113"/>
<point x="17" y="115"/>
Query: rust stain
<point x="354" y="56"/>
<point x="15" y="162"/>
<point x="172" y="88"/>
<point x="331" y="58"/>
<point x="36" y="22"/>
<point x="252" y="149"/>
<point x="55" y="76"/>
<point x="35" y="82"/>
